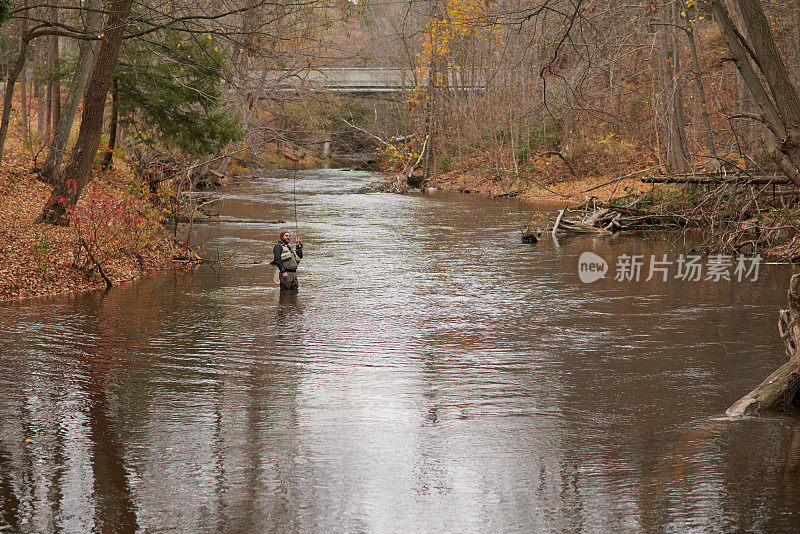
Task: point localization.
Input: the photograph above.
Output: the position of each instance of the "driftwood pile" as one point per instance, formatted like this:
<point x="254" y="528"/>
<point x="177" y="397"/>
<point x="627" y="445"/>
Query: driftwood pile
<point x="155" y="168"/>
<point x="779" y="391"/>
<point x="206" y="180"/>
<point x="716" y="178"/>
<point x="608" y="219"/>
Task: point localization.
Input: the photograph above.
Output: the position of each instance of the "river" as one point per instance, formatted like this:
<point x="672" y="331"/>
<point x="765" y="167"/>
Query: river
<point x="432" y="374"/>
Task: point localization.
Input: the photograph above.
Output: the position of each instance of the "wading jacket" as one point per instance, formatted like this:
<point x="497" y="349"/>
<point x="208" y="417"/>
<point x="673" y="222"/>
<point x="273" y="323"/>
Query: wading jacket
<point x="280" y="249"/>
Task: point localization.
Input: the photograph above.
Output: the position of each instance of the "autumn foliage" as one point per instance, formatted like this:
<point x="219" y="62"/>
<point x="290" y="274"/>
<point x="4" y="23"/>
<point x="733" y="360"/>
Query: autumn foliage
<point x="113" y="219"/>
<point x="110" y="226"/>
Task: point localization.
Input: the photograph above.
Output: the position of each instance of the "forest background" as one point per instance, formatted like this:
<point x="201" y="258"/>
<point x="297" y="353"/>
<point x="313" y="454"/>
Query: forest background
<point x="113" y="109"/>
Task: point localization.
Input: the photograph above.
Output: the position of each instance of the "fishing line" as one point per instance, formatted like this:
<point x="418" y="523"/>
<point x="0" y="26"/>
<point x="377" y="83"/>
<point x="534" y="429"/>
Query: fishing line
<point x="333" y="131"/>
<point x="294" y="190"/>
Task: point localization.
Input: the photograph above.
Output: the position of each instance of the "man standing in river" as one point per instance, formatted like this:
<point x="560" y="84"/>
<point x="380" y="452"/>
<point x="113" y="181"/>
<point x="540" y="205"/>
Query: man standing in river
<point x="286" y="259"/>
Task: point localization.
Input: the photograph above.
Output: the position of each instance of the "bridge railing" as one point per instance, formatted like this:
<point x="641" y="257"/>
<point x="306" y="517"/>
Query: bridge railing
<point x="364" y="79"/>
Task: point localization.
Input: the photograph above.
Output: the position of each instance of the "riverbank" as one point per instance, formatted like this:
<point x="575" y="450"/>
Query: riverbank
<point x="114" y="232"/>
<point x="733" y="218"/>
<point x="571" y="191"/>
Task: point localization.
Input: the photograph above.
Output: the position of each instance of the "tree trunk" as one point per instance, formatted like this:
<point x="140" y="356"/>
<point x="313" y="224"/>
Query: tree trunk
<point x="672" y="101"/>
<point x="796" y="42"/>
<point x="108" y="158"/>
<point x="701" y="96"/>
<point x="681" y="152"/>
<point x="746" y="132"/>
<point x="744" y="105"/>
<point x="56" y="82"/>
<point x="86" y="57"/>
<point x="23" y="93"/>
<point x="48" y="105"/>
<point x="780" y="389"/>
<point x="731" y="36"/>
<point x="432" y="127"/>
<point x="79" y="169"/>
<point x="427" y="162"/>
<point x="780" y="106"/>
<point x="567" y="119"/>
<point x="38" y="92"/>
<point x="771" y="63"/>
<point x="8" y="98"/>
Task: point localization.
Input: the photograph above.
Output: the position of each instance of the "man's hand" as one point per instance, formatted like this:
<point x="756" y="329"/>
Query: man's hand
<point x="286" y="275"/>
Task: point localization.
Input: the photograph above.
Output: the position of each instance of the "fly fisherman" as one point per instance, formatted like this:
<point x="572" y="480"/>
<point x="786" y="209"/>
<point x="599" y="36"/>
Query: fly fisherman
<point x="286" y="260"/>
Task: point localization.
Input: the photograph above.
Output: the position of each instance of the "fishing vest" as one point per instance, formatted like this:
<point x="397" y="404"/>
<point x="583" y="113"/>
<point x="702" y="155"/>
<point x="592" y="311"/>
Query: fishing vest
<point x="288" y="257"/>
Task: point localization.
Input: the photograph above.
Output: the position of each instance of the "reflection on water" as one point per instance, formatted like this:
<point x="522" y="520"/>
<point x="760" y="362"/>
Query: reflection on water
<point x="429" y="375"/>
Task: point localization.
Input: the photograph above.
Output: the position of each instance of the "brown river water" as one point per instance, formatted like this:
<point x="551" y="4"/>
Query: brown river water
<point x="432" y="374"/>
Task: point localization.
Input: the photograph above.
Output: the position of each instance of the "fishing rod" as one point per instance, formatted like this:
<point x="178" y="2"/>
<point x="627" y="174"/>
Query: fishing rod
<point x="294" y="190"/>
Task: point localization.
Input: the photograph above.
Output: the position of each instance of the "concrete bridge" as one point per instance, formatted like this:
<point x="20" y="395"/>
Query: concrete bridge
<point x="361" y="80"/>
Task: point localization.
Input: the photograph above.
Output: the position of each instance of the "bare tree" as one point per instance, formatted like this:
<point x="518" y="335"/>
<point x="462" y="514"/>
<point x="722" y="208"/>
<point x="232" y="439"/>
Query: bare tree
<point x="26" y="126"/>
<point x="777" y="98"/>
<point x="672" y="95"/>
<point x="54" y="87"/>
<point x="13" y="74"/>
<point x="85" y="61"/>
<point x="78" y="171"/>
<point x="700" y="88"/>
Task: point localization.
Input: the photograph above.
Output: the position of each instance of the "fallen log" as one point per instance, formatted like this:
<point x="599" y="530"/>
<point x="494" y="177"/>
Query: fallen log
<point x="510" y="194"/>
<point x="568" y="226"/>
<point x="608" y="218"/>
<point x="646" y="222"/>
<point x="199" y="217"/>
<point x="596" y="204"/>
<point x="780" y="389"/>
<point x="558" y="220"/>
<point x="596" y="216"/>
<point x="209" y="179"/>
<point x="681" y="179"/>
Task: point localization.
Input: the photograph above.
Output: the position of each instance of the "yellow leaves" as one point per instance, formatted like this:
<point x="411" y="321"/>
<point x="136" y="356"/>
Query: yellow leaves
<point x="466" y="16"/>
<point x="462" y="19"/>
<point x="683" y="14"/>
<point x="396" y="155"/>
